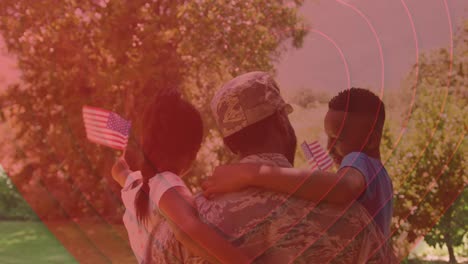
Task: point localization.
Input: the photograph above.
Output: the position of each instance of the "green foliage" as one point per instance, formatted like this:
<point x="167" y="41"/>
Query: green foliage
<point x="116" y="55"/>
<point x="428" y="165"/>
<point x="452" y="226"/>
<point x="12" y="204"/>
<point x="310" y="98"/>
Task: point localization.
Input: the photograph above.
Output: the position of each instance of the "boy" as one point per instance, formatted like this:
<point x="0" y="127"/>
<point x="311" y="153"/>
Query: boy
<point x="354" y="124"/>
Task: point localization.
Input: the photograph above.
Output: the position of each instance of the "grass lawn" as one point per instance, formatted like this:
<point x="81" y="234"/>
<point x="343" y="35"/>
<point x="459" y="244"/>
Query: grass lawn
<point x="30" y="242"/>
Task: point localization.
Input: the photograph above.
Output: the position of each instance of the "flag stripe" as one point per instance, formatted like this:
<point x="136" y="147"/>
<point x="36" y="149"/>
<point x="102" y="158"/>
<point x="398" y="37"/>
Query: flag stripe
<point x="326" y="166"/>
<point x="114" y="146"/>
<point x="106" y="137"/>
<point x="94" y="112"/>
<point x="317" y="148"/>
<point x="324" y="163"/>
<point x="105" y="131"/>
<point x="328" y="163"/>
<point x="322" y="158"/>
<point x="318" y="153"/>
<point x="95" y="124"/>
<point x="96" y="118"/>
<point x="314" y="148"/>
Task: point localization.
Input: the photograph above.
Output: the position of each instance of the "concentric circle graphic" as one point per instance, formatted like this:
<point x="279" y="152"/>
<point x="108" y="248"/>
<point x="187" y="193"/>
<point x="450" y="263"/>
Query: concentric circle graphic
<point x="459" y="142"/>
<point x="93" y="232"/>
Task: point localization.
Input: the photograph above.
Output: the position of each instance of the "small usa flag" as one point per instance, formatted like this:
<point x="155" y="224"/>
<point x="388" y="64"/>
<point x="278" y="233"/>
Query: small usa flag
<point x="316" y="156"/>
<point x="106" y="128"/>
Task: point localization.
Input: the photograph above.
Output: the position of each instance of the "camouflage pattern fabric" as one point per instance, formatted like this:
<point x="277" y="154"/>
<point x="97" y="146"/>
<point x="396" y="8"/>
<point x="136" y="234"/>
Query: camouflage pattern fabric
<point x="246" y="100"/>
<point x="280" y="229"/>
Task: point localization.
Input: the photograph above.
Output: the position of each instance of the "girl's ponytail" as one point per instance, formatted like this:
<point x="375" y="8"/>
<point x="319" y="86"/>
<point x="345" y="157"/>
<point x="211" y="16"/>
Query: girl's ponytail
<point x="142" y="203"/>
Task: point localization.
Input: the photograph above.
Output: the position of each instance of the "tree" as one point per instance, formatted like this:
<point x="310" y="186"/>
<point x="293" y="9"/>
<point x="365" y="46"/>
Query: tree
<point x="309" y="98"/>
<point x="452" y="227"/>
<point x="429" y="164"/>
<point x="12" y="204"/>
<point x="115" y="55"/>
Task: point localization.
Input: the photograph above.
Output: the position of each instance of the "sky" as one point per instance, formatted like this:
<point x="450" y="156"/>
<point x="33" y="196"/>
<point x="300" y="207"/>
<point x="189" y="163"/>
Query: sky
<point x="343" y="34"/>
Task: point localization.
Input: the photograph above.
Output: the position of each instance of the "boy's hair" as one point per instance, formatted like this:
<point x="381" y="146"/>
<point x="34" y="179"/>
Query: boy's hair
<point x="362" y="101"/>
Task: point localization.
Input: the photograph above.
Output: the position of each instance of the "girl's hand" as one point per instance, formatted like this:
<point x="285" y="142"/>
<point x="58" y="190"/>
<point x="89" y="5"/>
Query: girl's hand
<point x="229" y="178"/>
<point x="120" y="171"/>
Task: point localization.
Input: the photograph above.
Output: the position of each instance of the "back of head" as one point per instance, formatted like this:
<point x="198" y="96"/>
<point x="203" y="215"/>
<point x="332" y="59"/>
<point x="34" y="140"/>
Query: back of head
<point x="362" y="102"/>
<point x="246" y="100"/>
<point x="172" y="129"/>
<point x="172" y="132"/>
<point x="272" y="134"/>
<point x="252" y="115"/>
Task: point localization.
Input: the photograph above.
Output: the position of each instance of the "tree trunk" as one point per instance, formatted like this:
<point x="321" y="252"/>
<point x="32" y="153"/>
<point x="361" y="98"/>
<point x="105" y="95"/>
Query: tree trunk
<point x="448" y="237"/>
<point x="452" y="258"/>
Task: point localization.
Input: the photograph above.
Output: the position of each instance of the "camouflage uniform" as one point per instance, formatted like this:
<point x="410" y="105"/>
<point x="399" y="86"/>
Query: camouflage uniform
<point x="281" y="229"/>
<point x="272" y="227"/>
